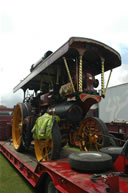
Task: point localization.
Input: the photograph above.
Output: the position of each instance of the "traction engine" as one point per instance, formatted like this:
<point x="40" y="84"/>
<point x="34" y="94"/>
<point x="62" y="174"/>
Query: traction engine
<point x="64" y="86"/>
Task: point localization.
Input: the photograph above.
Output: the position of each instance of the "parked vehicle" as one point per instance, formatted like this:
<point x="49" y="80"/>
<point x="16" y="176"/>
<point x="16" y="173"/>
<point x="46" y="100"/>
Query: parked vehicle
<point x="5" y="123"/>
<point x="65" y="87"/>
<point x="113" y="110"/>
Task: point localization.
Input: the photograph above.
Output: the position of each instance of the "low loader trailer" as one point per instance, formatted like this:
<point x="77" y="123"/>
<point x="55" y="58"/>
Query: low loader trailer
<point x="58" y="176"/>
<point x="65" y="86"/>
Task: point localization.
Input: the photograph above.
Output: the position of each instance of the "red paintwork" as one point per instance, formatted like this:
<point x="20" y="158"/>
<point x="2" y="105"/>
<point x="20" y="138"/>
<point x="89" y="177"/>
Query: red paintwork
<point x="84" y="97"/>
<point x="5" y="124"/>
<point x="121" y="164"/>
<point x="64" y="178"/>
<point x="115" y="129"/>
<point x="6" y="117"/>
<point x="67" y="180"/>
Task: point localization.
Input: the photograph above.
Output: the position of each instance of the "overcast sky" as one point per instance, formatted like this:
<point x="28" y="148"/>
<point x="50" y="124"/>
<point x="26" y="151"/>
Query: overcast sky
<point x="29" y="28"/>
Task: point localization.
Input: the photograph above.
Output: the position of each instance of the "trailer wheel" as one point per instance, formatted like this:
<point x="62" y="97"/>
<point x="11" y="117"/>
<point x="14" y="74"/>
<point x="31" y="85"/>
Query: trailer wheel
<point x="49" y="149"/>
<point x="20" y="112"/>
<point x="90" y="161"/>
<point x="112" y="140"/>
<point x="49" y="186"/>
<point x="93" y="134"/>
<point x="114" y="152"/>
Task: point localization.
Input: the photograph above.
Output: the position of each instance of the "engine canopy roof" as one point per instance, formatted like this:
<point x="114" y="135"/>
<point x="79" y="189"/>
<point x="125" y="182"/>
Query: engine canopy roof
<point x="92" y="52"/>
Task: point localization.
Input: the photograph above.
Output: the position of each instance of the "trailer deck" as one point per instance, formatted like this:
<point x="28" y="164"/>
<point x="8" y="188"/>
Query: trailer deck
<point x="64" y="178"/>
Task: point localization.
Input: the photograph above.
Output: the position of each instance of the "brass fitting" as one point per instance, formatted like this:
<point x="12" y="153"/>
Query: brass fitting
<point x="80" y="76"/>
<point x="68" y="72"/>
<point x="102" y="78"/>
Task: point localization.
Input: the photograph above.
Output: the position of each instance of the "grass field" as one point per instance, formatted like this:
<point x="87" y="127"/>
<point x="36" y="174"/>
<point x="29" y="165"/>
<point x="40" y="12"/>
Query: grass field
<point x="11" y="181"/>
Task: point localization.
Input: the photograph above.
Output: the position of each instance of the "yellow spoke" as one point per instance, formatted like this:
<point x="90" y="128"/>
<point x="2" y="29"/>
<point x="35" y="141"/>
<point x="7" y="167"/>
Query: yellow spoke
<point x="43" y="149"/>
<point x="91" y="134"/>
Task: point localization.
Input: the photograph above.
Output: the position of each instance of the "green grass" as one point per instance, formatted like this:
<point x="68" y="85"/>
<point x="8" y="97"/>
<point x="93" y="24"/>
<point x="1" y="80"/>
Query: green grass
<point x="10" y="179"/>
<point x="72" y="148"/>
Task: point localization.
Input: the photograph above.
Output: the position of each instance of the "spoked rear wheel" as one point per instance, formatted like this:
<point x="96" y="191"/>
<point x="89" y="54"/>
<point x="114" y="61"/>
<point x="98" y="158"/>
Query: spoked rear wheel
<point x="17" y="128"/>
<point x="49" y="149"/>
<point x="20" y="112"/>
<point x="93" y="134"/>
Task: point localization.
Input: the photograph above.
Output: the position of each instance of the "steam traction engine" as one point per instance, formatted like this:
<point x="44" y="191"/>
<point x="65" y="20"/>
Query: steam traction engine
<point x="64" y="85"/>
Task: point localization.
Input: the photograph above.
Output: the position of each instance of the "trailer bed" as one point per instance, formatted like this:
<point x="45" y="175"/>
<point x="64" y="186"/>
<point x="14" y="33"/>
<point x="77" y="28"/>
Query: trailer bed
<point x="64" y="178"/>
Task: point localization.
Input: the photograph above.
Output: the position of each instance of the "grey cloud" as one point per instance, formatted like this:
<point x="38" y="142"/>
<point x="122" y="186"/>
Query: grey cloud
<point x="11" y="99"/>
<point x="124" y="53"/>
<point x="124" y="68"/>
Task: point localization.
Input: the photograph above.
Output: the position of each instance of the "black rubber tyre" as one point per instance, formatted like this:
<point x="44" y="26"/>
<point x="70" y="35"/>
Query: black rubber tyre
<point x="114" y="152"/>
<point x="112" y="141"/>
<point x="49" y="186"/>
<point x="71" y="140"/>
<point x="56" y="139"/>
<point x="105" y="131"/>
<point x="125" y="149"/>
<point x="90" y="161"/>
